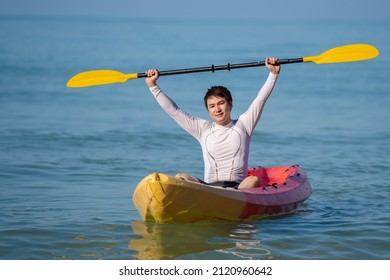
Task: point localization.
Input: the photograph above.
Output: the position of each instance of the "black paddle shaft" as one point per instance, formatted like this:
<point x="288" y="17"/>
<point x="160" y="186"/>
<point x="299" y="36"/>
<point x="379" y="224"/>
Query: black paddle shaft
<point x="214" y="68"/>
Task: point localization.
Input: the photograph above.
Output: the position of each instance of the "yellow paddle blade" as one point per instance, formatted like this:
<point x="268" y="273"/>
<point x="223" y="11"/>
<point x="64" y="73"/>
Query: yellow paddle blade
<point x="99" y="77"/>
<point x="347" y="53"/>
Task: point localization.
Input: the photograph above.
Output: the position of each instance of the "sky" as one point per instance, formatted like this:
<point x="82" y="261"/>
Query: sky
<point x="198" y="9"/>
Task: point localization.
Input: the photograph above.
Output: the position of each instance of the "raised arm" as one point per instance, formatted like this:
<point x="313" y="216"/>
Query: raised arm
<point x="192" y="125"/>
<point x="251" y="117"/>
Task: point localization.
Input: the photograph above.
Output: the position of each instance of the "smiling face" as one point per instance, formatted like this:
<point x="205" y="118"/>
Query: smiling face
<point x="219" y="109"/>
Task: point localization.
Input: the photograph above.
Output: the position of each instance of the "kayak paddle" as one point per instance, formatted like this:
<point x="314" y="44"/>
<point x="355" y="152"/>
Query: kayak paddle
<point x="347" y="53"/>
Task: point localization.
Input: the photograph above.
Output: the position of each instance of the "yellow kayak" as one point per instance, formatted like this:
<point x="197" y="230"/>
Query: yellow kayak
<point x="167" y="199"/>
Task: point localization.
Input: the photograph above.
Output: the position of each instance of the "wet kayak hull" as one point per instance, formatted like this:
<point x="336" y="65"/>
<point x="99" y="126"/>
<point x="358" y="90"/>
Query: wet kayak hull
<point x="167" y="199"/>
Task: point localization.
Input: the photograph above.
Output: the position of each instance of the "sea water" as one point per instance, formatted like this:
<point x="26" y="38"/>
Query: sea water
<point x="70" y="159"/>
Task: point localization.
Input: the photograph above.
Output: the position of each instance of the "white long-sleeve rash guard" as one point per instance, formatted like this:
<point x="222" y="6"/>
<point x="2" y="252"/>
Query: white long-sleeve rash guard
<point x="225" y="148"/>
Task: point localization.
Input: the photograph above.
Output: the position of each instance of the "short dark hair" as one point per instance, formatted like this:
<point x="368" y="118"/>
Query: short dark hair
<point x="219" y="91"/>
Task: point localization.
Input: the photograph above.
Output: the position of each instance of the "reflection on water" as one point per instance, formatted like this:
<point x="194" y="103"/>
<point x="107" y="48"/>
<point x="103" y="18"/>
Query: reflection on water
<point x="247" y="243"/>
<point x="221" y="241"/>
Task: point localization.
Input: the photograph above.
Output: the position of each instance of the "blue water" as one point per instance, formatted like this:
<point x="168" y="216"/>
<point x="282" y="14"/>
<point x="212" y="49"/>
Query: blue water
<point x="71" y="158"/>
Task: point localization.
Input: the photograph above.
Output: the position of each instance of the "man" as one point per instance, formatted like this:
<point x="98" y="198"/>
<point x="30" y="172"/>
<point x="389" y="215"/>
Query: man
<point x="224" y="142"/>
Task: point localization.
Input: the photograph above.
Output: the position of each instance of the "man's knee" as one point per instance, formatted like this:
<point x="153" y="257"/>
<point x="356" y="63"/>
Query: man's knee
<point x="187" y="177"/>
<point x="249" y="182"/>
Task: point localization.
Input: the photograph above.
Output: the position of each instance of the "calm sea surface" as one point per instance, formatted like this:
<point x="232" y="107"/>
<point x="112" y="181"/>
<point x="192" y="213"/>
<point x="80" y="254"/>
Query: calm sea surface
<point x="71" y="158"/>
